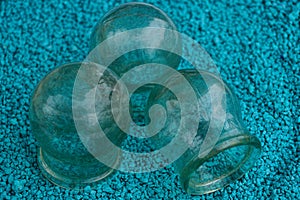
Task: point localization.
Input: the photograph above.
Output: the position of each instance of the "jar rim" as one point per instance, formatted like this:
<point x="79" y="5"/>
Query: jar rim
<point x="246" y="163"/>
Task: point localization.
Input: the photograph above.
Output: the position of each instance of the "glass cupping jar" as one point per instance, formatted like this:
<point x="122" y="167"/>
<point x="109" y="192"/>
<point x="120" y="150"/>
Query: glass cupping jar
<point x="213" y="145"/>
<point x="63" y="157"/>
<point x="131" y="35"/>
<point x="133" y="22"/>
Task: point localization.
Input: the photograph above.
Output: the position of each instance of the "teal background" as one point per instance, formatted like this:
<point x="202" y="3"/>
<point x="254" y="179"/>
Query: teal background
<point x="255" y="45"/>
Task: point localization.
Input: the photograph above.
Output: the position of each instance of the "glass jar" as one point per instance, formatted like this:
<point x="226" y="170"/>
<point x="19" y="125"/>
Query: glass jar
<point x="221" y="150"/>
<point x="62" y="156"/>
<point x="140" y="45"/>
<point x="134" y="34"/>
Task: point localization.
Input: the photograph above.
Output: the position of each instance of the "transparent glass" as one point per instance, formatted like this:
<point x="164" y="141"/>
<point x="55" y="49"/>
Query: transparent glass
<point x="62" y="157"/>
<point x="136" y="15"/>
<point x="215" y="157"/>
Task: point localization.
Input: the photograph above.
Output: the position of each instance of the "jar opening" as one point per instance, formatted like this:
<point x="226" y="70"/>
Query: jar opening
<point x="229" y="160"/>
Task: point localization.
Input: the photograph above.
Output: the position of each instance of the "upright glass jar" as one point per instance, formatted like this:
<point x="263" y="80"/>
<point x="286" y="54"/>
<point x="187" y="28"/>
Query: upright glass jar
<point x="134" y="34"/>
<point x="62" y="156"/>
<point x="138" y="18"/>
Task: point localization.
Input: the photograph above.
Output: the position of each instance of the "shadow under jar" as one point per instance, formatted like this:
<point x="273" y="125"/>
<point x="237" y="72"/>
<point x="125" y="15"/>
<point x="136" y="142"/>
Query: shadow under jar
<point x="221" y="150"/>
<point x="62" y="156"/>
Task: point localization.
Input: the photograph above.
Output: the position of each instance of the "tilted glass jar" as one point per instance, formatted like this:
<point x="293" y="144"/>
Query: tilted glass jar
<point x="221" y="150"/>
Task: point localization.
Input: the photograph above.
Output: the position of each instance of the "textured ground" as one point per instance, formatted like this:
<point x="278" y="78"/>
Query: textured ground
<point x="254" y="43"/>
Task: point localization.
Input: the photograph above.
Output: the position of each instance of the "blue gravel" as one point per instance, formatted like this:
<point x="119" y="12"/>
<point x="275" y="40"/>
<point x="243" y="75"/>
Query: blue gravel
<point x="254" y="43"/>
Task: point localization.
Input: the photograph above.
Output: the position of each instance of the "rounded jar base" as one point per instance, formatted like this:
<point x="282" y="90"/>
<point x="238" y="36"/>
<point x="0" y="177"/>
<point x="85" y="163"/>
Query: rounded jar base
<point x="57" y="174"/>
